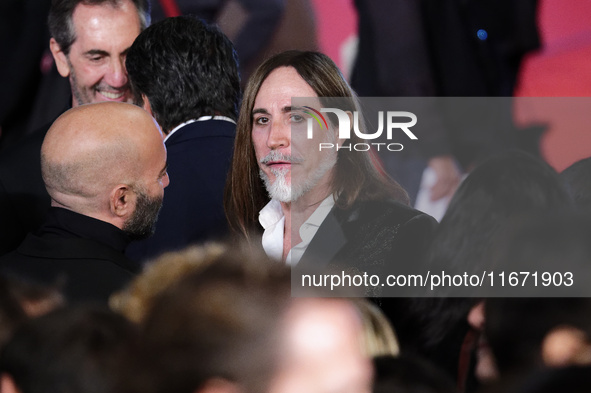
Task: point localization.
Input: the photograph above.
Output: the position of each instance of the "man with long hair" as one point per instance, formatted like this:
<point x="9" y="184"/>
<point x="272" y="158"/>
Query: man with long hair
<point x="315" y="206"/>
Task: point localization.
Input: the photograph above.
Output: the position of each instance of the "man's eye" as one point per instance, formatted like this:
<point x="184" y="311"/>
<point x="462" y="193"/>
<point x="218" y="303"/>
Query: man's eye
<point x="296" y="118"/>
<point x="261" y="120"/>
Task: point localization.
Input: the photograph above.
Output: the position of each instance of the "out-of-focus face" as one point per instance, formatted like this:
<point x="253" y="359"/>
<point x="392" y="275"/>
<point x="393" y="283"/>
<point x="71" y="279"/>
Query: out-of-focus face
<point x="322" y="350"/>
<point x="291" y="165"/>
<point x="486" y="368"/>
<point x="96" y="61"/>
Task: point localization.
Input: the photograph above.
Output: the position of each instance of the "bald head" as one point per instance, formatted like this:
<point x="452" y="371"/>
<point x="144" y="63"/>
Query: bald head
<point x="92" y="150"/>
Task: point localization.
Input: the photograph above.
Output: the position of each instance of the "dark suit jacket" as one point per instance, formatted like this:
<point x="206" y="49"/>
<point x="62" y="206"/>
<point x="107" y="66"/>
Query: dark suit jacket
<point x="83" y="254"/>
<point x="199" y="156"/>
<point x="377" y="237"/>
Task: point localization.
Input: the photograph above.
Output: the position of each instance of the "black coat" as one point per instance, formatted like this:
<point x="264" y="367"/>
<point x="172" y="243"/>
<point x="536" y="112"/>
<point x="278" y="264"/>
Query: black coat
<point x="378" y="238"/>
<point x="81" y="254"/>
<point x="372" y="235"/>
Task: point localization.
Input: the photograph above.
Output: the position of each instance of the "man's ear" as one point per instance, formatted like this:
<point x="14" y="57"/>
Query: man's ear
<point x="565" y="346"/>
<point x="7" y="384"/>
<point x="147" y="107"/>
<point x="122" y="201"/>
<point x="61" y="60"/>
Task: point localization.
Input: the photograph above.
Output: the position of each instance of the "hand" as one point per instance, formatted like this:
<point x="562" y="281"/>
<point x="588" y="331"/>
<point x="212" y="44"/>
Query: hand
<point x="448" y="177"/>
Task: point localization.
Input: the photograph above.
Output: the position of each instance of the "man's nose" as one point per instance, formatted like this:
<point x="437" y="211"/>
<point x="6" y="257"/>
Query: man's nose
<point x="279" y="136"/>
<point x="117" y="74"/>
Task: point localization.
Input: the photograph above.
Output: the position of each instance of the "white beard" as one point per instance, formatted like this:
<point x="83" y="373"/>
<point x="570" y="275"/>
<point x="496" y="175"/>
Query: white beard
<point x="283" y="191"/>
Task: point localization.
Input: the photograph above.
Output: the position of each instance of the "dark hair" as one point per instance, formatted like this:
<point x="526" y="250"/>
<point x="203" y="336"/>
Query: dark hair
<point x="516" y="327"/>
<point x="61" y="25"/>
<point x="409" y="374"/>
<point x="506" y="185"/>
<point x="577" y="178"/>
<point x="573" y="379"/>
<point x="357" y="175"/>
<point x="186" y="69"/>
<point x="220" y="322"/>
<point x="72" y="350"/>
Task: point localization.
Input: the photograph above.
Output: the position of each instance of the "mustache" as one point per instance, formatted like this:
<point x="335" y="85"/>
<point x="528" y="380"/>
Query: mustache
<point x="274" y="155"/>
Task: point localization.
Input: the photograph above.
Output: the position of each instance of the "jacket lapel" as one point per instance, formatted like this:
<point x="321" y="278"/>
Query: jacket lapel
<point x="327" y="242"/>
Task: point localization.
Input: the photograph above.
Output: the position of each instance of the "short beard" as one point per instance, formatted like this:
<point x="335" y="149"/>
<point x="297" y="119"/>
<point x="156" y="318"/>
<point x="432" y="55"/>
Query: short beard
<point x="142" y="222"/>
<point x="80" y="98"/>
<point x="280" y="189"/>
<point x="285" y="192"/>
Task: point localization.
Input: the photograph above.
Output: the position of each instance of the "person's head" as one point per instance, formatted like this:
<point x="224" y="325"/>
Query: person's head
<point x="107" y="161"/>
<point x="70" y="350"/>
<point x="506" y="185"/>
<point x="322" y="349"/>
<point x="90" y="39"/>
<point x="268" y="163"/>
<point x="528" y="333"/>
<point x="214" y="327"/>
<point x="230" y="325"/>
<point x="501" y="188"/>
<point x="135" y="301"/>
<point x="181" y="69"/>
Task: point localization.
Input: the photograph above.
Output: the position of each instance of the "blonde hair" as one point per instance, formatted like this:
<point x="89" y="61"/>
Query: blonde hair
<point x="135" y="301"/>
<point x="379" y="338"/>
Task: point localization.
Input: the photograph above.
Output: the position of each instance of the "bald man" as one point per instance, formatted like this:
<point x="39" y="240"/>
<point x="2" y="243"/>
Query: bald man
<point x="104" y="167"/>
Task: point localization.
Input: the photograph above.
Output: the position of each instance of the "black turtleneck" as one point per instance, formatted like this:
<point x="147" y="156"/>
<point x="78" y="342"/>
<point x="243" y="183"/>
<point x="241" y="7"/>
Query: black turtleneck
<point x="82" y="255"/>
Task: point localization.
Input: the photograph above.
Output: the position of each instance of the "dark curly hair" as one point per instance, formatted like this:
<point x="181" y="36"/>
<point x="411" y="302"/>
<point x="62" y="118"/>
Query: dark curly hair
<point x="186" y="69"/>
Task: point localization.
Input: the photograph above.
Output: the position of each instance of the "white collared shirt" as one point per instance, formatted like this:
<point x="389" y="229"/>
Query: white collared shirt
<point x="273" y="221"/>
<point x="202" y="118"/>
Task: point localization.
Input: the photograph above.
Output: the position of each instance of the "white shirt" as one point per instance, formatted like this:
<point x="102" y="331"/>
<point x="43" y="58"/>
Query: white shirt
<point x="202" y="118"/>
<point x="273" y="221"/>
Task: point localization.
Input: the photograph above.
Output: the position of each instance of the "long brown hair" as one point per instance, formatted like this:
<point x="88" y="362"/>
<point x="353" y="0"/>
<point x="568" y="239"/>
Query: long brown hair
<point x="357" y="176"/>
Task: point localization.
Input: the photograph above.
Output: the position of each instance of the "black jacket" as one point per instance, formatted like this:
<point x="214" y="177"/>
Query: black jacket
<point x="81" y="254"/>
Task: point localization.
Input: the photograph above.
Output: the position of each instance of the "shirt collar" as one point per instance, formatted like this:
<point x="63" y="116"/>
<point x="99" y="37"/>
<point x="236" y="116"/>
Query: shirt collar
<point x="270" y="214"/>
<point x="311" y="225"/>
<point x="202" y="118"/>
<point x="272" y="220"/>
